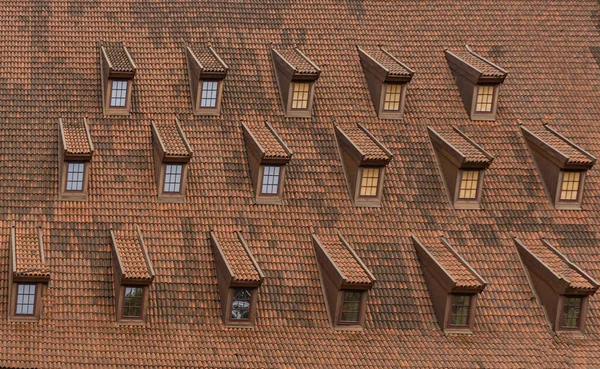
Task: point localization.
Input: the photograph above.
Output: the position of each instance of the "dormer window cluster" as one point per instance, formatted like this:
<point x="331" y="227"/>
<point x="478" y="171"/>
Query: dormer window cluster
<point x="239" y="278"/>
<point x="207" y="71"/>
<point x="453" y="284"/>
<point x="172" y="154"/>
<point x="75" y="151"/>
<point x="296" y="76"/>
<point x="29" y="274"/>
<point x="562" y="165"/>
<point x="346" y="281"/>
<point x="364" y="159"/>
<point x="462" y="163"/>
<point x="478" y="80"/>
<point x="268" y="156"/>
<point x="133" y="274"/>
<point x="561" y="286"/>
<point x="387" y="78"/>
<point x="117" y="71"/>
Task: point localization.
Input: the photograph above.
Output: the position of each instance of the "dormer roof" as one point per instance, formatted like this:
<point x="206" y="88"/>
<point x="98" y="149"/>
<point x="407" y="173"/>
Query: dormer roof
<point x="459" y="148"/>
<point x="298" y="65"/>
<point x="119" y="61"/>
<point x="363" y="147"/>
<point x="474" y="67"/>
<point x="207" y="61"/>
<point x="264" y="141"/>
<point x="544" y="260"/>
<point x="27" y="255"/>
<point x="557" y="148"/>
<point x="76" y="139"/>
<point x="384" y="65"/>
<point x="172" y="141"/>
<point x="131" y="255"/>
<point x="340" y="261"/>
<point x="236" y="260"/>
<point x="447" y="266"/>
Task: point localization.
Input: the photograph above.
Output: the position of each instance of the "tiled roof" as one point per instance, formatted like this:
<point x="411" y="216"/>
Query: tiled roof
<point x="268" y="141"/>
<point x="209" y="61"/>
<point x="172" y="139"/>
<point x="28" y="261"/>
<point x="389" y="62"/>
<point x="117" y="55"/>
<point x="559" y="143"/>
<point x="471" y="151"/>
<point x="486" y="68"/>
<point x="366" y="144"/>
<point x="345" y="261"/>
<point x="76" y="137"/>
<point x="299" y="61"/>
<point x="242" y="267"/>
<point x="131" y="253"/>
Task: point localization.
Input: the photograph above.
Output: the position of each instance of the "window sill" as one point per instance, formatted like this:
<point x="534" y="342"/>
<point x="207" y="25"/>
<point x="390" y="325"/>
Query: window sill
<point x="23" y="319"/>
<point x="457" y="331"/>
<point x="348" y="327"/>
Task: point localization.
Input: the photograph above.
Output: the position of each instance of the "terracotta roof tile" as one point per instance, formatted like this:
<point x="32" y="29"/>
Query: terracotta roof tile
<point x="558" y="143"/>
<point x="486" y="68"/>
<point x="208" y="60"/>
<point x="472" y="153"/>
<point x="132" y="255"/>
<point x="28" y="258"/>
<point x="241" y="265"/>
<point x="344" y="259"/>
<point x="267" y="140"/>
<point x="366" y="144"/>
<point x="389" y="62"/>
<point x="173" y="141"/>
<point x="117" y="55"/>
<point x="76" y="137"/>
<point x="300" y="62"/>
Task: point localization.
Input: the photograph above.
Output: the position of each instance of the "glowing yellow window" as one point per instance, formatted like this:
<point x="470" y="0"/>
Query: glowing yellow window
<point x="468" y="184"/>
<point x="485" y="96"/>
<point x="300" y="95"/>
<point x="570" y="186"/>
<point x="369" y="182"/>
<point x="393" y="93"/>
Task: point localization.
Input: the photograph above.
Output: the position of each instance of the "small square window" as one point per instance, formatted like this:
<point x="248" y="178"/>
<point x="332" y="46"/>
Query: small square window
<point x="132" y="302"/>
<point x="369" y="181"/>
<point x="25" y="299"/>
<point x="209" y="94"/>
<point x="240" y="304"/>
<point x="393" y="94"/>
<point x="485" y="98"/>
<point x="118" y="93"/>
<point x="571" y="312"/>
<point x="75" y="172"/>
<point x="350" y="313"/>
<point x="469" y="183"/>
<point x="270" y="180"/>
<point x="459" y="313"/>
<point x="173" y="178"/>
<point x="300" y="95"/>
<point x="570" y="186"/>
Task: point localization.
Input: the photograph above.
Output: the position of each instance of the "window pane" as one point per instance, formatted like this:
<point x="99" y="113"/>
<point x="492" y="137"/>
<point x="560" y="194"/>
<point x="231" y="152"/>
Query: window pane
<point x="459" y="314"/>
<point x="118" y="93"/>
<point x="485" y="95"/>
<point x="240" y="305"/>
<point x="300" y="95"/>
<point x="369" y="181"/>
<point x="132" y="302"/>
<point x="75" y="176"/>
<point x="209" y="94"/>
<point x="393" y="93"/>
<point x="270" y="183"/>
<point x="173" y="178"/>
<point x="570" y="186"/>
<point x="468" y="184"/>
<point x="571" y="311"/>
<point x="25" y="299"/>
<point x="351" y="306"/>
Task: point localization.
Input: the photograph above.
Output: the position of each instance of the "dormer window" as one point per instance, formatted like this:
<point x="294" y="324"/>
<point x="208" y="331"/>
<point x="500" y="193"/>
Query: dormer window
<point x="562" y="165"/>
<point x="351" y="305"/>
<point x="172" y="154"/>
<point x="207" y="71"/>
<point x="364" y="160"/>
<point x="133" y="302"/>
<point x="241" y="303"/>
<point x="268" y="156"/>
<point x="460" y="309"/>
<point x="387" y="78"/>
<point x="74" y="158"/>
<point x="462" y="165"/>
<point x="296" y="76"/>
<point x="561" y="286"/>
<point x="478" y="81"/>
<point x="117" y="71"/>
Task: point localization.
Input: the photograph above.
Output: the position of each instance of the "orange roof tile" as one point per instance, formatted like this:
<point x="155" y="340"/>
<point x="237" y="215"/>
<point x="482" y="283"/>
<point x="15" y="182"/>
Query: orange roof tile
<point x="299" y="61"/>
<point x="389" y="62"/>
<point x="209" y="61"/>
<point x="28" y="261"/>
<point x="117" y="55"/>
<point x="172" y="139"/>
<point x="486" y="68"/>
<point x="574" y="154"/>
<point x="76" y="137"/>
<point x="268" y="141"/>
<point x="242" y="267"/>
<point x="130" y="251"/>
<point x="365" y="144"/>
<point x="344" y="260"/>
<point x="472" y="152"/>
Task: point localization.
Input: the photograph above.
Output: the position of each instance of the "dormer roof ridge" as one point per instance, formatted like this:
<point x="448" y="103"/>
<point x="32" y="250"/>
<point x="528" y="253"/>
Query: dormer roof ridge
<point x="76" y="137"/>
<point x="558" y="146"/>
<point x="237" y="256"/>
<point x="132" y="255"/>
<point x="208" y="59"/>
<point x="118" y="57"/>
<point x="298" y="61"/>
<point x="461" y="147"/>
<point x="478" y="63"/>
<point x="172" y="138"/>
<point x="267" y="140"/>
<point x="351" y="268"/>
<point x="364" y="142"/>
<point x="27" y="253"/>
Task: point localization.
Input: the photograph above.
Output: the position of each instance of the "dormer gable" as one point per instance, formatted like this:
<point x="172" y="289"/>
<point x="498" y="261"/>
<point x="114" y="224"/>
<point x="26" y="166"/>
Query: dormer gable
<point x="387" y="78"/>
<point x="462" y="164"/>
<point x="561" y="286"/>
<point x="75" y="151"/>
<point x="239" y="277"/>
<point x="478" y="80"/>
<point x="268" y="156"/>
<point x="346" y="280"/>
<point x="296" y="75"/>
<point x="561" y="163"/>
<point x="207" y="71"/>
<point x="364" y="160"/>
<point x="117" y="71"/>
<point x="453" y="284"/>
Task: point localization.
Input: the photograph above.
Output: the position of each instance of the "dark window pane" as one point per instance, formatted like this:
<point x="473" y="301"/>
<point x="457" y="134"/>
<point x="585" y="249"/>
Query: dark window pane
<point x="240" y="306"/>
<point x="571" y="311"/>
<point x="351" y="307"/>
<point x="25" y="299"/>
<point x="132" y="304"/>
<point x="459" y="315"/>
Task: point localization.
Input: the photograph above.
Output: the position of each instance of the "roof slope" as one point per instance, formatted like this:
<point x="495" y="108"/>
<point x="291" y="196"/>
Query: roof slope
<point x="550" y="137"/>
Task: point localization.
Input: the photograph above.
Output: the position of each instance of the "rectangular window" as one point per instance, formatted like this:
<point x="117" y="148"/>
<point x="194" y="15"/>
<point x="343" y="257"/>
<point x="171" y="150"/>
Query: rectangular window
<point x="469" y="183"/>
<point x="571" y="312"/>
<point x="240" y="304"/>
<point x="75" y="173"/>
<point x="485" y="98"/>
<point x="25" y="299"/>
<point x="132" y="302"/>
<point x="209" y="94"/>
<point x="350" y="307"/>
<point x="118" y="93"/>
<point x="459" y="313"/>
<point x="570" y="186"/>
<point x="300" y="95"/>
<point x="393" y="94"/>
<point x="173" y="178"/>
<point x="369" y="181"/>
<point x="270" y="180"/>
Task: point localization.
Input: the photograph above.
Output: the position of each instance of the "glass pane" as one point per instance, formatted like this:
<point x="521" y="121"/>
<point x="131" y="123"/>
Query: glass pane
<point x="369" y="181"/>
<point x="209" y="94"/>
<point x="132" y="302"/>
<point x="351" y="306"/>
<point x="300" y="95"/>
<point x="118" y="93"/>
<point x="570" y="186"/>
<point x="459" y="313"/>
<point x="173" y="177"/>
<point x="571" y="311"/>
<point x="485" y="96"/>
<point x="270" y="183"/>
<point x="468" y="184"/>
<point x="240" y="306"/>
<point x="25" y="299"/>
<point x="393" y="94"/>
